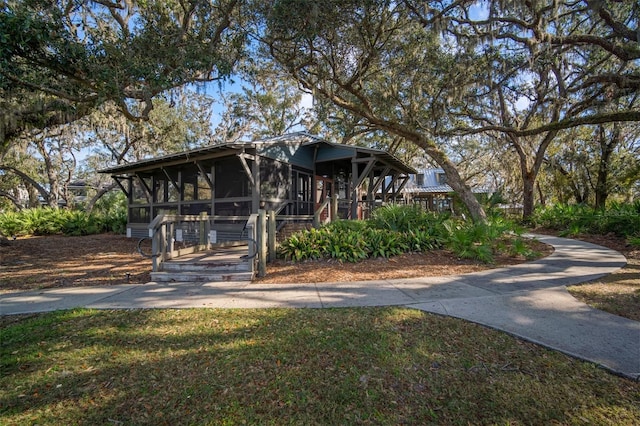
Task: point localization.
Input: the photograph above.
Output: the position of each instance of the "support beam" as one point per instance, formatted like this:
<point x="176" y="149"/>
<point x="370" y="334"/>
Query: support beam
<point x="386" y="188"/>
<point x="262" y="243"/>
<point x="271" y="236"/>
<point x="357" y="180"/>
<point x="173" y="182"/>
<point x="204" y="174"/>
<point x="247" y="170"/>
<point x="213" y="190"/>
<point x="404" y="179"/>
<point x="255" y="185"/>
<point x="118" y="179"/>
<point x="380" y="179"/>
<point x="148" y="190"/>
<point x="365" y="172"/>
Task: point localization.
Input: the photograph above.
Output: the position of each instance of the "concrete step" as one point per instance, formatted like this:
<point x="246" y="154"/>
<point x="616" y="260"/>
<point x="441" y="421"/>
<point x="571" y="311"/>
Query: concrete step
<point x="223" y="264"/>
<point x="206" y="266"/>
<point x="201" y="276"/>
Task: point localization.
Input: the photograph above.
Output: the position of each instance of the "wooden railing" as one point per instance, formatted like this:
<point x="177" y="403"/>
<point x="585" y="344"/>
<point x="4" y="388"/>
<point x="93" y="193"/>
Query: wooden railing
<point x="176" y="235"/>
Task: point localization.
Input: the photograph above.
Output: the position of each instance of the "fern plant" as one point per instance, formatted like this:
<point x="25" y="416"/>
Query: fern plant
<point x="11" y="224"/>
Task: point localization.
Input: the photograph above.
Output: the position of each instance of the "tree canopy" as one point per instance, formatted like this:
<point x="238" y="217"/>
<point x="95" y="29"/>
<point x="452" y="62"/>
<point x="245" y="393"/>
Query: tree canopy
<point x="59" y="60"/>
<point x="489" y="90"/>
<point x="430" y="71"/>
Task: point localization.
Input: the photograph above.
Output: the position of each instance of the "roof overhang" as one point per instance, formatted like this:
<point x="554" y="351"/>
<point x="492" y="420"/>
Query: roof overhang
<point x="219" y="150"/>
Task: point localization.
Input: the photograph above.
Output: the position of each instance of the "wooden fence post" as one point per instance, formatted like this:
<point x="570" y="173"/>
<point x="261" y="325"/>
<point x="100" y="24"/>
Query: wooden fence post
<point x="202" y="231"/>
<point x="334" y="207"/>
<point x="271" y="237"/>
<point x="262" y="243"/>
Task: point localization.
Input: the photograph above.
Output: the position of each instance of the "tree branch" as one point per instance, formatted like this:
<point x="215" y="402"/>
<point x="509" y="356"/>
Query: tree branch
<point x="568" y="123"/>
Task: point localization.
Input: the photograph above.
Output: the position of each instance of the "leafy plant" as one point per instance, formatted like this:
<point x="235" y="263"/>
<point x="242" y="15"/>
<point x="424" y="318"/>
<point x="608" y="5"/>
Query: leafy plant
<point x="346" y="246"/>
<point x="49" y="221"/>
<point x="384" y="243"/>
<point x="519" y="247"/>
<point x="11" y="224"/>
<point x="570" y="220"/>
<point x="347" y="225"/>
<point x="42" y="221"/>
<point x="634" y="241"/>
<point x="469" y="241"/>
<point x="398" y="229"/>
<point x="395" y="217"/>
<point x="79" y="223"/>
<point x="420" y="240"/>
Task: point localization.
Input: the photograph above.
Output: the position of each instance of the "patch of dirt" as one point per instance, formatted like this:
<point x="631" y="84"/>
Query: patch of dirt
<point x="431" y="264"/>
<point x="31" y="263"/>
<point x="60" y="261"/>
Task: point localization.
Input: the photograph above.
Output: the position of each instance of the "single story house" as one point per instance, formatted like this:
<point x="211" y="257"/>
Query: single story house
<point x="293" y="175"/>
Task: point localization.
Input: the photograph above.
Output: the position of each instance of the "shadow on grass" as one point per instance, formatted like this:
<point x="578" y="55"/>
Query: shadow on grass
<point x="336" y="366"/>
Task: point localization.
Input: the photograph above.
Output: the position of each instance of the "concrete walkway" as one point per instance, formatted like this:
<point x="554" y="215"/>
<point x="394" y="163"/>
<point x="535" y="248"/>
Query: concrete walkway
<point x="527" y="300"/>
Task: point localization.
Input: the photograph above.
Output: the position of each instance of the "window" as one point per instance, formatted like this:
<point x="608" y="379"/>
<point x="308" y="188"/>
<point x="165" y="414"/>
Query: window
<point x="231" y="179"/>
<point x="139" y="215"/>
<point x="442" y="178"/>
<point x="420" y="179"/>
<point x="274" y="179"/>
<point x="204" y="190"/>
<point x="140" y="194"/>
<point x="161" y="193"/>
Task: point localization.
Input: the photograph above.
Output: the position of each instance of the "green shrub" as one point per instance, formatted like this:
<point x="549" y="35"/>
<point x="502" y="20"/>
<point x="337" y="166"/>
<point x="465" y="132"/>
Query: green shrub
<point x="383" y="243"/>
<point x="519" y="247"/>
<point x="347" y="225"/>
<point x="396" y="217"/>
<point x="470" y="240"/>
<point x="392" y="233"/>
<point x="43" y="221"/>
<point x="48" y="221"/>
<point x="11" y="224"/>
<point x="570" y="220"/>
<point x="115" y="222"/>
<point x="346" y="246"/>
<point x="421" y="240"/>
<point x="80" y="223"/>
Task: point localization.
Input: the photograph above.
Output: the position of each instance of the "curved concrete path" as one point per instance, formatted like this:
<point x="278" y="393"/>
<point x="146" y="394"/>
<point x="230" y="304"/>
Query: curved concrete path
<point x="527" y="300"/>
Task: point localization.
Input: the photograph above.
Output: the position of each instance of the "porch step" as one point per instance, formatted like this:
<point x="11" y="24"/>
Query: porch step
<point x="166" y="277"/>
<point x="212" y="266"/>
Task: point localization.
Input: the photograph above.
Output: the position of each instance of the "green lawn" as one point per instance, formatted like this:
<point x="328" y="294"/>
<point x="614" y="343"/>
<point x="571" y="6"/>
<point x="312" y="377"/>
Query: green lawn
<point x="283" y="366"/>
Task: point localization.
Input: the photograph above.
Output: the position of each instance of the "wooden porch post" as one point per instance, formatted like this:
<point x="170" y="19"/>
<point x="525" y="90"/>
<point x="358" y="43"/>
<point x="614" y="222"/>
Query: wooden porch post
<point x="334" y="207"/>
<point x="255" y="192"/>
<point x="271" y="235"/>
<point x="354" y="190"/>
<point x="262" y="243"/>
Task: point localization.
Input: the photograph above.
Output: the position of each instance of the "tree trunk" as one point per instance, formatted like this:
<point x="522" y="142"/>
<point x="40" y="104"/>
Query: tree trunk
<point x="530" y="174"/>
<point x="606" y="149"/>
<point x="52" y="176"/>
<point x="11" y="198"/>
<point x="99" y="195"/>
<point x="454" y="180"/>
<point x="543" y="200"/>
<point x="29" y="181"/>
<point x="528" y="194"/>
